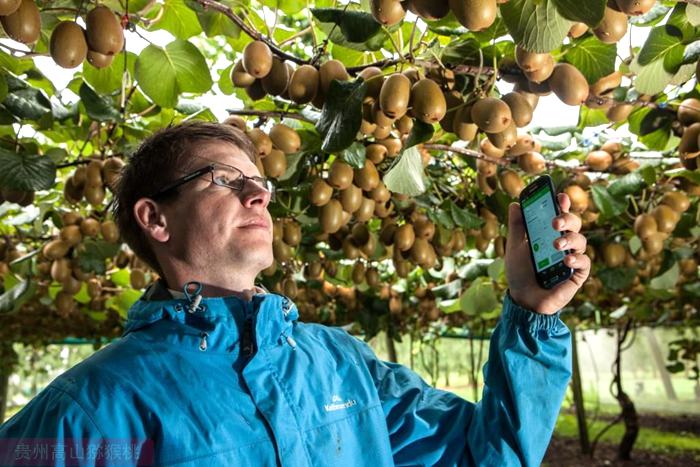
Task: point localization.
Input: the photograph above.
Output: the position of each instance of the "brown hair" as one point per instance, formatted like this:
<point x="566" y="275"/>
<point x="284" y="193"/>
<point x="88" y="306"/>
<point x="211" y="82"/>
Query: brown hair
<point x="158" y="161"/>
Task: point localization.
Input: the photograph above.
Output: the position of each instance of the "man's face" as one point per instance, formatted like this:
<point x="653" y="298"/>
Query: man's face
<point x="216" y="229"/>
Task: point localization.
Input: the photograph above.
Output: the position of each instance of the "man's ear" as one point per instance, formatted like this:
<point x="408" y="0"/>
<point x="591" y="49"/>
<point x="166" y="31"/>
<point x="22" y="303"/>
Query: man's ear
<point x="151" y="219"/>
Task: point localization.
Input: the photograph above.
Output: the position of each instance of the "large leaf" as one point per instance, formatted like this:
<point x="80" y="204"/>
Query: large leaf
<point x="407" y="177"/>
<point x="479" y="298"/>
<point x="26" y="172"/>
<point x="420" y="133"/>
<point x="355" y="155"/>
<point x="592" y="57"/>
<point x="464" y="217"/>
<point x="179" y="19"/>
<point x="164" y="73"/>
<point x="535" y="24"/>
<point x="607" y="204"/>
<point x="589" y="11"/>
<point x="628" y="184"/>
<point x="667" y="279"/>
<point x="341" y="116"/>
<point x="663" y="42"/>
<point x="692" y="12"/>
<point x="652" y="78"/>
<point x="100" y="108"/>
<point x="18" y="294"/>
<point x="616" y="278"/>
<point x="25" y="101"/>
<point x="214" y="23"/>
<point x="109" y="79"/>
<point x="92" y="257"/>
<point x="353" y="29"/>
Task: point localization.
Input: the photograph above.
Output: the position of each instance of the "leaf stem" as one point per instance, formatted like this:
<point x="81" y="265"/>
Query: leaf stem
<point x="269" y="113"/>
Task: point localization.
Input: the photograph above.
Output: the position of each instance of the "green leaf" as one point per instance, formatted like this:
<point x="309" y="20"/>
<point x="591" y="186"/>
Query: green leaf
<point x="13" y="298"/>
<point x="652" y="78"/>
<point x="479" y="298"/>
<point x="124" y="300"/>
<point x="463" y="217"/>
<point x="4" y="89"/>
<point x="98" y="107"/>
<point x="592" y="57"/>
<point x="628" y="184"/>
<point x="180" y="20"/>
<point x="407" y="176"/>
<point x="590" y="11"/>
<point x="616" y="278"/>
<point x="608" y="205"/>
<point x="679" y="19"/>
<point x="667" y="280"/>
<point x="356" y="30"/>
<point x="692" y="12"/>
<point x="420" y="133"/>
<point x="164" y="73"/>
<point x="225" y="84"/>
<point x="24" y="101"/>
<point x="663" y="42"/>
<point x="591" y="117"/>
<point x="691" y="54"/>
<point x="341" y="116"/>
<point x="215" y="23"/>
<point x="657" y="140"/>
<point x="354" y="155"/>
<point x="685" y="173"/>
<point x="92" y="258"/>
<point x="497" y="269"/>
<point x="109" y="79"/>
<point x="535" y="24"/>
<point x="26" y="172"/>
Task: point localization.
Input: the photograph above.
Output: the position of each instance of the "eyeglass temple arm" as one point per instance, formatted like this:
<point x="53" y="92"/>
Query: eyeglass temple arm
<point x="183" y="180"/>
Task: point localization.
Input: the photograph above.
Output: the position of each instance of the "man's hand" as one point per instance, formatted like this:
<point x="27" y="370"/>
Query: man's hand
<point x="520" y="274"/>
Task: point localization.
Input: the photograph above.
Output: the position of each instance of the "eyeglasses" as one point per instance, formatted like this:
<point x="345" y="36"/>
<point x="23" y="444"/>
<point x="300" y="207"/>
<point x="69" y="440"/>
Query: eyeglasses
<point x="222" y="175"/>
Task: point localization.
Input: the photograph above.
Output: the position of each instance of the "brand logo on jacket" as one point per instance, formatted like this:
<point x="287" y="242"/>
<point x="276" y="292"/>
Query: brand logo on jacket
<point x="338" y="404"/>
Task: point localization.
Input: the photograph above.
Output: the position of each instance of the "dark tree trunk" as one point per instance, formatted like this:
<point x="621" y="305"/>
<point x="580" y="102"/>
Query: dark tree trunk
<point x="391" y="348"/>
<point x="577" y="389"/>
<point x="629" y="413"/>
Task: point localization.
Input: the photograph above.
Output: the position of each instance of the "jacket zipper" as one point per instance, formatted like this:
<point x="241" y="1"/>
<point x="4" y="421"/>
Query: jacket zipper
<point x="248" y="337"/>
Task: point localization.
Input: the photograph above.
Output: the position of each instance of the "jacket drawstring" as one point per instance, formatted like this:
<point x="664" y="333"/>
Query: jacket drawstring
<point x="203" y="341"/>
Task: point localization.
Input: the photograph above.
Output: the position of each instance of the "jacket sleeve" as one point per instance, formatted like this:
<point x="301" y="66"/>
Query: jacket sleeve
<point x="54" y="429"/>
<point x="526" y="376"/>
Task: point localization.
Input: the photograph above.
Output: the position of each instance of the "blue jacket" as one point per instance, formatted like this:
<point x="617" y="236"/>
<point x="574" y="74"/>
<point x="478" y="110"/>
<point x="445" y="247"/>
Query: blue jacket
<point x="243" y="383"/>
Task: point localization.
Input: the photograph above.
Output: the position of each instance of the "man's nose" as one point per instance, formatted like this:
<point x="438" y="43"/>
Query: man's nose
<point x="254" y="194"/>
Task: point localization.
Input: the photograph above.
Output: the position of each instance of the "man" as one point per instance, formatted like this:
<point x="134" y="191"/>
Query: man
<point x="214" y="371"/>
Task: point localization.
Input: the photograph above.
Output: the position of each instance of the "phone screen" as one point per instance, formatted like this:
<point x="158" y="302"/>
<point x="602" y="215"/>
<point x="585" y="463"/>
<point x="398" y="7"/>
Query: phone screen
<point x="539" y="211"/>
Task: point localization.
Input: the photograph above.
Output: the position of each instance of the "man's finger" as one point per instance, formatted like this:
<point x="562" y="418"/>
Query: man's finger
<point x="571" y="241"/>
<point x="581" y="265"/>
<point x="567" y="222"/>
<point x="516" y="225"/>
<point x="564" y="202"/>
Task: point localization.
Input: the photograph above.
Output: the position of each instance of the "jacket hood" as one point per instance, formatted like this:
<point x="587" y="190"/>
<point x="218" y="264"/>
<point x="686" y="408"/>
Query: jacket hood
<point x="213" y="324"/>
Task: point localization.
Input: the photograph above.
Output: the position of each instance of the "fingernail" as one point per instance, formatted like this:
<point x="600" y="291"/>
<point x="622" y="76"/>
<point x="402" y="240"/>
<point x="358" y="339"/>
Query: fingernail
<point x="572" y="260"/>
<point x="561" y="244"/>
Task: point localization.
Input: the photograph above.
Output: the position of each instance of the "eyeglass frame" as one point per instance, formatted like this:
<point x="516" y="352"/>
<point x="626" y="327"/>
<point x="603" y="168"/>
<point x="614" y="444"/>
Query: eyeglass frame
<point x="262" y="182"/>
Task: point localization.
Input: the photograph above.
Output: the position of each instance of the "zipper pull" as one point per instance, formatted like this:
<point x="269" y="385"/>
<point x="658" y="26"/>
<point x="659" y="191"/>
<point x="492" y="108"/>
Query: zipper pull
<point x="248" y="338"/>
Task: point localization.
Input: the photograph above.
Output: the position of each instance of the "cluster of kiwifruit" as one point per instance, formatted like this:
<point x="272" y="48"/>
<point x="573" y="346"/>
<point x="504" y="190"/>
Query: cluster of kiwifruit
<point x="61" y="264"/>
<point x="474" y="15"/>
<point x="611" y="157"/>
<point x="20" y="20"/>
<point x="8" y="253"/>
<point x="91" y="180"/>
<point x="688" y="115"/>
<point x="656" y="226"/>
<point x="102" y="39"/>
<point x="21" y="197"/>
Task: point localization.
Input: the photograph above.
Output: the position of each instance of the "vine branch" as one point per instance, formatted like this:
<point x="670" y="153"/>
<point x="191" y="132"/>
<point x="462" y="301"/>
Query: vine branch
<point x="269" y="113"/>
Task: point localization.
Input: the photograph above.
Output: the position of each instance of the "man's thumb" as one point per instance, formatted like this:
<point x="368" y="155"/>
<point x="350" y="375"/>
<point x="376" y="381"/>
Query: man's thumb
<point x="516" y="225"/>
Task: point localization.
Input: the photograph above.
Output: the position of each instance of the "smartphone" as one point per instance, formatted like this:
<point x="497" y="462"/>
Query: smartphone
<point x="539" y="206"/>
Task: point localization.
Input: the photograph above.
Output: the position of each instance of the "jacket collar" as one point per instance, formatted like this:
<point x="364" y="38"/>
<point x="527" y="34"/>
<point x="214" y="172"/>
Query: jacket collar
<point x="214" y="324"/>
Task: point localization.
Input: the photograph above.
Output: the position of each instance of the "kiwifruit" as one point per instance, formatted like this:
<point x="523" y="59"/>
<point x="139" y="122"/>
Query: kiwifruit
<point x="404" y="236"/>
<point x="689" y="266"/>
<point x="24" y="24"/>
<point x="276" y="81"/>
<point x="360" y="234"/>
<point x="331" y="216"/>
<point x="7" y="7"/>
<point x="569" y="84"/>
<point x="303" y="84"/>
<point x="677" y="200"/>
<point x="523" y="144"/>
<point x="99" y="60"/>
<point x="104" y="31"/>
<point x="429" y="9"/>
<point x="421" y="253"/>
<point x="511" y="182"/>
<point x="239" y="77"/>
<point x="506" y="138"/>
<point x="90" y="227"/>
<point x="666" y="218"/>
<point x="67" y="45"/>
<point x="367" y="177"/>
<point x="321" y="192"/>
<point x="491" y="114"/>
<point x="606" y="84"/>
<point x="255" y="91"/>
<point x="485" y="168"/>
<point x="463" y="126"/>
<point x="111" y="169"/>
<point x="257" y="59"/>
<point x="540" y="75"/>
<point x="380" y="193"/>
<point x="94" y="194"/>
<point x="645" y="225"/>
<point x="366" y="210"/>
<point x="424" y="229"/>
<point x="55" y="249"/>
<point x="635" y="7"/>
<point x="358" y="272"/>
<point x="520" y="108"/>
<point x="71" y="285"/>
<point x="577" y="30"/>
<point x="387" y="12"/>
<point x="612" y="147"/>
<point x="393" y="146"/>
<point x="60" y="269"/>
<point x="654" y="243"/>
<point x="474" y="15"/>
<point x="532" y="163"/>
<point x="428" y="103"/>
<point x="689" y="145"/>
<point x="405" y="123"/>
<point x="613" y="27"/>
<point x="487" y="185"/>
<point x="614" y="254"/>
<point x="236" y="121"/>
<point x="376" y="152"/>
<point x="351" y="198"/>
<point x="330" y="70"/>
<point x="374" y="78"/>
<point x="689" y="111"/>
<point x="109" y="230"/>
<point x="341" y="175"/>
<point x="489" y="230"/>
<point x="394" y="95"/>
<point x="599" y="160"/>
<point x="261" y="141"/>
<point x="380" y="118"/>
<point x="530" y="61"/>
<point x="71" y="218"/>
<point x="381" y="132"/>
<point x="65" y="303"/>
<point x="275" y="163"/>
<point x="539" y="89"/>
<point x="578" y="197"/>
<point x="285" y="138"/>
<point x="488" y="148"/>
<point x="619" y="112"/>
<point x="367" y="128"/>
<point x="71" y="235"/>
<point x="454" y="101"/>
<point x="291" y="233"/>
